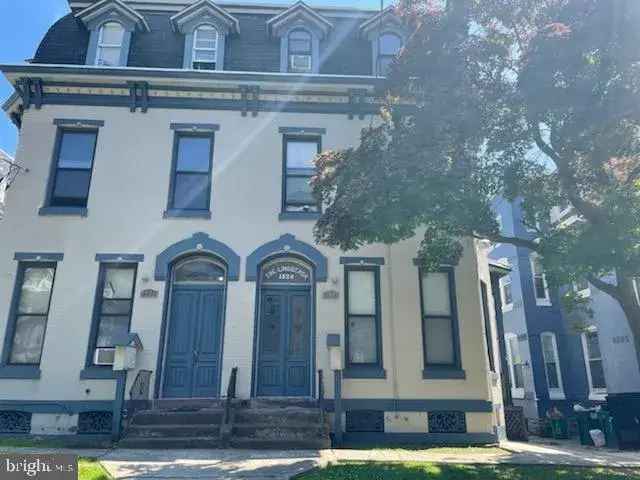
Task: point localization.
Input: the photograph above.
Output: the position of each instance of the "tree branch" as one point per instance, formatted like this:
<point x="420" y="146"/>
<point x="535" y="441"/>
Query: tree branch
<point x="608" y="288"/>
<point x="515" y="241"/>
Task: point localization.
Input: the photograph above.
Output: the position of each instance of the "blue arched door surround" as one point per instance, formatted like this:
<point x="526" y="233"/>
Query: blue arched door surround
<point x="190" y="351"/>
<point x="287" y="245"/>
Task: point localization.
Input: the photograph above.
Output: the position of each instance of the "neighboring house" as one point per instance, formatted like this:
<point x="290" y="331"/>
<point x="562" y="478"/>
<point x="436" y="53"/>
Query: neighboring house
<point x="544" y="354"/>
<point x="5" y="158"/>
<point x="176" y="206"/>
<point x="611" y="359"/>
<point x="557" y="360"/>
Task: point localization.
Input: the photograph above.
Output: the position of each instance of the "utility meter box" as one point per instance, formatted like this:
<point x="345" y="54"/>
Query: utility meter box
<point x="126" y="352"/>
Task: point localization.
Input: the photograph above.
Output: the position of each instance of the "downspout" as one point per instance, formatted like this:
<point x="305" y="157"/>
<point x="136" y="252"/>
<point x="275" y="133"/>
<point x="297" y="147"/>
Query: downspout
<point x="392" y="332"/>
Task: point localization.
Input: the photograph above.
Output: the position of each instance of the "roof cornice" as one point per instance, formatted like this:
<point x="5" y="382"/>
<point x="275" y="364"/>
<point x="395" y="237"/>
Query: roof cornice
<point x="105" y="7"/>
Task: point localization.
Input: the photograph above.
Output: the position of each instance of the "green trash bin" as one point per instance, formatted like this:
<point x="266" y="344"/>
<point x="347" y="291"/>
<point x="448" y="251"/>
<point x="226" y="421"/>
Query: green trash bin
<point x="587" y="421"/>
<point x="608" y="428"/>
<point x="560" y="428"/>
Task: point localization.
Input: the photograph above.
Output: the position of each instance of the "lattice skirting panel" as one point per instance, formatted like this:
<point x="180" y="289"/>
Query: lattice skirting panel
<point x="516" y="423"/>
<point x="15" y="422"/>
<point x="95" y="422"/>
<point x="447" y="422"/>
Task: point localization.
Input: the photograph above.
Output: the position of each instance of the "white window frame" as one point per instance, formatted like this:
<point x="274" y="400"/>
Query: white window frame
<point x="541" y="302"/>
<point x="504" y="281"/>
<point x="195" y="49"/>
<point x="516" y="392"/>
<point x="595" y="394"/>
<point x="554" y="393"/>
<point x="102" y="45"/>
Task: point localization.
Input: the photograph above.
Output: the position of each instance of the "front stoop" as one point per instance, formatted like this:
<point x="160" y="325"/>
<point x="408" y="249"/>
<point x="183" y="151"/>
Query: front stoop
<point x="270" y="424"/>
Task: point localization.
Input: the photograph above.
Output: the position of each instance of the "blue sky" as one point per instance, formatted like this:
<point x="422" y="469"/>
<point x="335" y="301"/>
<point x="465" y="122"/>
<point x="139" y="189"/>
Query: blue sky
<point x="23" y="23"/>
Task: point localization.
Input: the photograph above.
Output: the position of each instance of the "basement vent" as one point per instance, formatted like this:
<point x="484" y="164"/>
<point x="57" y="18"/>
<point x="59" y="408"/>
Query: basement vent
<point x="447" y="422"/>
<point x="15" y="422"/>
<point x="95" y="422"/>
<point x="371" y="421"/>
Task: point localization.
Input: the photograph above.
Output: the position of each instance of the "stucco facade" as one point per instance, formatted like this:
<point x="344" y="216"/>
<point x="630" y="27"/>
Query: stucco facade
<point x="126" y="221"/>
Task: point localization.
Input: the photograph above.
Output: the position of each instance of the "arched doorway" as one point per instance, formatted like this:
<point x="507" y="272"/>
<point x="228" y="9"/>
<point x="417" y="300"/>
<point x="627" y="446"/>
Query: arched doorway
<point x="284" y="331"/>
<point x="193" y="339"/>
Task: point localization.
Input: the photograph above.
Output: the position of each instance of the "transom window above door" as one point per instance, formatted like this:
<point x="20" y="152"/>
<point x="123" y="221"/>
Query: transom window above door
<point x="285" y="271"/>
<point x="199" y="270"/>
<point x="205" y="48"/>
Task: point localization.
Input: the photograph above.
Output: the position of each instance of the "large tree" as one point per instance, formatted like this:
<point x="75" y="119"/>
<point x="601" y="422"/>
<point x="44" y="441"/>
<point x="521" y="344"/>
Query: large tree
<point x="537" y="101"/>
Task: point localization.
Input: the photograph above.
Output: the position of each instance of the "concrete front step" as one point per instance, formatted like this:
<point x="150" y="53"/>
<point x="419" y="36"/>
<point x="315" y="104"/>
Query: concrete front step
<point x="290" y="432"/>
<point x="280" y="416"/>
<point x="169" y="442"/>
<point x="172" y="431"/>
<point x="261" y="444"/>
<point x="173" y="417"/>
<point x="283" y="402"/>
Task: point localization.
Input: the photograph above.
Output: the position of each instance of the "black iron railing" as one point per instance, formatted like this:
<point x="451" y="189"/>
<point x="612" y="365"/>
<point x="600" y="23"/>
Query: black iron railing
<point x="231" y="394"/>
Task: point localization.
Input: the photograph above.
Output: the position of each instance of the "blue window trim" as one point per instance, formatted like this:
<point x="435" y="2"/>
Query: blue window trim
<point x="49" y="208"/>
<point x="27" y="371"/>
<point x="77" y="122"/>
<point x="120" y="257"/>
<point x="302" y="130"/>
<point x="38" y="257"/>
<point x="195" y="127"/>
<point x="199" y="243"/>
<point x="442" y="371"/>
<point x="92" y="371"/>
<point x="363" y="370"/>
<point x="361" y="260"/>
<point x="284" y="213"/>
<point x="63" y="211"/>
<point x="286" y="244"/>
<point x="171" y="211"/>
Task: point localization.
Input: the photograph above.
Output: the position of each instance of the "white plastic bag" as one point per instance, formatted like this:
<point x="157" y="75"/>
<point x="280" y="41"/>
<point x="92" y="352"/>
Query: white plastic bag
<point x="598" y="438"/>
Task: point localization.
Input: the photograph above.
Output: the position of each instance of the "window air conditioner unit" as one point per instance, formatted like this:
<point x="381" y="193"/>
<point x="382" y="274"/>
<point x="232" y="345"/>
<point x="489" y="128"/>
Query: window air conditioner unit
<point x="104" y="356"/>
<point x="301" y="63"/>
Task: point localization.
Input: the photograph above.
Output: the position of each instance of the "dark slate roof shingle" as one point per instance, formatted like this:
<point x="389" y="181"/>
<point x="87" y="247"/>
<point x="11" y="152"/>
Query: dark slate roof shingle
<point x="344" y="52"/>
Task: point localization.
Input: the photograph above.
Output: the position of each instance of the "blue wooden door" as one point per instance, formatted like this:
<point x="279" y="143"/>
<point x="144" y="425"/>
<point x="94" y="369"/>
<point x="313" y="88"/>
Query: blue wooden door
<point x="284" y="363"/>
<point x="193" y="342"/>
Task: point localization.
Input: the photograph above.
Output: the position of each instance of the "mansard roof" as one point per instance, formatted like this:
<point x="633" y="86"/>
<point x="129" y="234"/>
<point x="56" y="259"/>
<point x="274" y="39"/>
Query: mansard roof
<point x="112" y="9"/>
<point x="202" y="12"/>
<point x="384" y="19"/>
<point x="299" y="13"/>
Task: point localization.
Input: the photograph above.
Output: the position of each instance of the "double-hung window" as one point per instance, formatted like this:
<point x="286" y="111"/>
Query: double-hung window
<point x="506" y="293"/>
<point x="114" y="304"/>
<point x="205" y="48"/>
<point x="110" y="43"/>
<point x="593" y="363"/>
<point x="516" y="365"/>
<point x="552" y="365"/>
<point x="439" y="320"/>
<point x="299" y="167"/>
<point x="190" y="189"/>
<point x="540" y="286"/>
<point x="362" y="306"/>
<point x="30" y="312"/>
<point x="389" y="45"/>
<point x="73" y="168"/>
<point x="300" y="52"/>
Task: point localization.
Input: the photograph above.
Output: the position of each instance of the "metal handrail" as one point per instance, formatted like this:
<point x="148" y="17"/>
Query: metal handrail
<point x="231" y="394"/>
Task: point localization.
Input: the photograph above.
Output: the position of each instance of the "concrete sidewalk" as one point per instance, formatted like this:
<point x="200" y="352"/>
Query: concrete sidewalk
<point x="282" y="465"/>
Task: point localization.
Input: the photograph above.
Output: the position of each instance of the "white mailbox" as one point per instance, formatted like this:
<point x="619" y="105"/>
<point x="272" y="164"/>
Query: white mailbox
<point x="335" y="352"/>
<point x="127" y="349"/>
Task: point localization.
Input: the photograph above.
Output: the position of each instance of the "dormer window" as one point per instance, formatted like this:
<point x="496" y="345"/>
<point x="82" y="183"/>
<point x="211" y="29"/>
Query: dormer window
<point x="111" y="24"/>
<point x="389" y="45"/>
<point x="300" y="30"/>
<point x="110" y="40"/>
<point x="300" y="52"/>
<point x="205" y="48"/>
<point x="387" y="34"/>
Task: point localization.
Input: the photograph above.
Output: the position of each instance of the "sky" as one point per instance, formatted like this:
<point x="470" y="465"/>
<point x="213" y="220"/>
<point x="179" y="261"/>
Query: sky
<point x="23" y="24"/>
